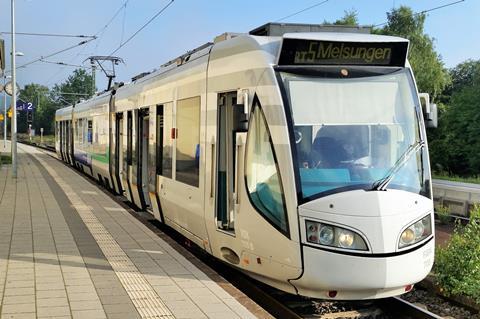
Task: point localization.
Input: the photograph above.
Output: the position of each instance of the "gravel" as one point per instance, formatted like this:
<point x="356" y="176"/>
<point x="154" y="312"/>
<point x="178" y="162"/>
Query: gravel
<point x="439" y="305"/>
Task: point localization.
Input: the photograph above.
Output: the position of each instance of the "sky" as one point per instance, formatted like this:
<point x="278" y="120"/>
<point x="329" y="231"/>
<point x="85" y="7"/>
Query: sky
<point x="187" y="24"/>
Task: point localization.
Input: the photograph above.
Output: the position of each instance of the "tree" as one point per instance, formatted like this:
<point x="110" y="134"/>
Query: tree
<point x="456" y="146"/>
<point x="78" y="85"/>
<point x="427" y="64"/>
<point x="461" y="76"/>
<point x="350" y="18"/>
<point x="38" y="95"/>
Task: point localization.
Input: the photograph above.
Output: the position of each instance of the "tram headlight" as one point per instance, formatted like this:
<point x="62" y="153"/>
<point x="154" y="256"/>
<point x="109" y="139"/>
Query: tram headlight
<point x="329" y="235"/>
<point x="416" y="232"/>
<point x="346" y="238"/>
<point x="326" y="235"/>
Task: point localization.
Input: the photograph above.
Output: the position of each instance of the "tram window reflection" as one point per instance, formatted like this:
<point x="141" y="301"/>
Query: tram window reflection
<point x="188" y="140"/>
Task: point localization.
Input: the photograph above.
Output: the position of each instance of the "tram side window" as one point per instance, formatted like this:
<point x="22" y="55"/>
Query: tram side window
<point x="90" y="131"/>
<point x="263" y="179"/>
<point x="75" y="130"/>
<point x="164" y="139"/>
<point x="80" y="131"/>
<point x="188" y="141"/>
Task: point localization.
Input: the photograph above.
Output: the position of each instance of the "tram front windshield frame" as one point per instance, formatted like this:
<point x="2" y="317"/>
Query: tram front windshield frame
<point x="351" y="127"/>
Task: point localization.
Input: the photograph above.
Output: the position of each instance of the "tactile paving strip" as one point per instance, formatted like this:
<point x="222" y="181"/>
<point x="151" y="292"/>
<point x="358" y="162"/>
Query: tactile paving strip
<point x="145" y="299"/>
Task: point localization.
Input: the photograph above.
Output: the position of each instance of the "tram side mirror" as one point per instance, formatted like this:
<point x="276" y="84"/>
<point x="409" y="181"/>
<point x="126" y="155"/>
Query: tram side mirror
<point x="429" y="110"/>
<point x="241" y="111"/>
<point x="240" y="119"/>
<point x="432" y="121"/>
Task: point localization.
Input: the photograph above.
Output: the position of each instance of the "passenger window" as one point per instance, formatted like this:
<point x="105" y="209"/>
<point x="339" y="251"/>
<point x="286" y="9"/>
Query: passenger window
<point x="90" y="132"/>
<point x="263" y="179"/>
<point x="164" y="139"/>
<point x="188" y="141"/>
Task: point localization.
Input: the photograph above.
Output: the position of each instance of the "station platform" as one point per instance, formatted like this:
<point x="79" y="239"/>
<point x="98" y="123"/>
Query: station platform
<point x="68" y="250"/>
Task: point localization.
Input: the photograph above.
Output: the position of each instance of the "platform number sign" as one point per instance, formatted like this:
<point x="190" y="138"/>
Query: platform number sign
<point x="25" y="106"/>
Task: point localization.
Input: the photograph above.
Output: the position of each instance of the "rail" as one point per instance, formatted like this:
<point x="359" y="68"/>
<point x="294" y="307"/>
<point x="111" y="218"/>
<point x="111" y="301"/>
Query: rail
<point x="403" y="309"/>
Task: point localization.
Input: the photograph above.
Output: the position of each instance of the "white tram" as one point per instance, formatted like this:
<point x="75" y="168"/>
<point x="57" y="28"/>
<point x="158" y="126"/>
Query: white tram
<point x="298" y="157"/>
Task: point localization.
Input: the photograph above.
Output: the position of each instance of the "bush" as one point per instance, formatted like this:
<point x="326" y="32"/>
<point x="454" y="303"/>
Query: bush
<point x="457" y="265"/>
<point x="443" y="214"/>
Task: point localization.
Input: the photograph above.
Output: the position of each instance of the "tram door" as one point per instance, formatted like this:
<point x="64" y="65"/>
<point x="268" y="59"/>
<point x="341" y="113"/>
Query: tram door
<point x="127" y="138"/>
<point x="67" y="141"/>
<point x="143" y="169"/>
<point x="71" y="149"/>
<point x="61" y="138"/>
<point x="230" y="140"/>
<point x="117" y="152"/>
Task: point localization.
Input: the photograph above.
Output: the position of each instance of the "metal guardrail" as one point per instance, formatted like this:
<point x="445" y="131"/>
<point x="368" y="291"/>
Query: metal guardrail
<point x="458" y="197"/>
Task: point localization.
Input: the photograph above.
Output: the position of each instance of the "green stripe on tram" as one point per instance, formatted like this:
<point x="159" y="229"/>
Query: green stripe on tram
<point x="100" y="157"/>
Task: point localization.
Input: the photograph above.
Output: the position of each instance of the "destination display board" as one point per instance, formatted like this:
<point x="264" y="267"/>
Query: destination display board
<point x="314" y="52"/>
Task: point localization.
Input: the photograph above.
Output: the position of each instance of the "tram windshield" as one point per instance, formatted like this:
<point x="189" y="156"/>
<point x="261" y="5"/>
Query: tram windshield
<point x="352" y="133"/>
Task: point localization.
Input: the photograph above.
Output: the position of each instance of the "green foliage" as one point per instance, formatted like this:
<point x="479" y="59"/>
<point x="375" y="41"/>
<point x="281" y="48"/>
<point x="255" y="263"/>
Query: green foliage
<point x="463" y="75"/>
<point x="443" y="214"/>
<point x="5" y="159"/>
<point x="45" y="109"/>
<point x="457" y="266"/>
<point x="350" y="18"/>
<point x="78" y="85"/>
<point x="455" y="146"/>
<point x="427" y="65"/>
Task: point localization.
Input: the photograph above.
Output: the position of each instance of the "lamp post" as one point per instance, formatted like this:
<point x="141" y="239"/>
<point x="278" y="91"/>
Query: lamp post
<point x="5" y="77"/>
<point x="14" y="97"/>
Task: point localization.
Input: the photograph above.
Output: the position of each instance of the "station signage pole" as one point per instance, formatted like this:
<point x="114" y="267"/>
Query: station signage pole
<point x="14" y="98"/>
<point x="4" y="111"/>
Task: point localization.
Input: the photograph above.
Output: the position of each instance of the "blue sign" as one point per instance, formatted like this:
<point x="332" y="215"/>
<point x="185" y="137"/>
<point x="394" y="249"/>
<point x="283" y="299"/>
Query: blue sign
<point x="25" y="106"/>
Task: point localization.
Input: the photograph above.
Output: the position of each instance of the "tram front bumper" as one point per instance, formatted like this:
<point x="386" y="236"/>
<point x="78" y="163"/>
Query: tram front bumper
<point x="361" y="277"/>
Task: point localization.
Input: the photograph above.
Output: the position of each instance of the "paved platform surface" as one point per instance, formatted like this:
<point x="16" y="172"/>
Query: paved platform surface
<point x="67" y="250"/>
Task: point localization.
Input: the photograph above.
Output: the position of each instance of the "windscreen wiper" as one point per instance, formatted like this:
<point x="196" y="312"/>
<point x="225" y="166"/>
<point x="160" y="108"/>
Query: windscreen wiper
<point x="381" y="184"/>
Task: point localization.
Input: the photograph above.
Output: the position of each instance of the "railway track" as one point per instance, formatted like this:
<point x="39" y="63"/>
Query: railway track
<point x="279" y="304"/>
<point x="399" y="308"/>
<point x="41" y="146"/>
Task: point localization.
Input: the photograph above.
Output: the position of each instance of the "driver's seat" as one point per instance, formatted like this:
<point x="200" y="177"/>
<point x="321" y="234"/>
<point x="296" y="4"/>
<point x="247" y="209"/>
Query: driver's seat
<point x="329" y="152"/>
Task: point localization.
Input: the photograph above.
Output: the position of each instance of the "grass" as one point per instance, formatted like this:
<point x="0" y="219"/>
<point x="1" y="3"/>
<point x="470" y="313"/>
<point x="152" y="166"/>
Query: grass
<point x="443" y="214"/>
<point x="456" y="178"/>
<point x="5" y="159"/>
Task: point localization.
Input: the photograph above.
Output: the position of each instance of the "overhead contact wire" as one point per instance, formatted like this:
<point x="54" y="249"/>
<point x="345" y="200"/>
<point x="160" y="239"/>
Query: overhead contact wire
<point x="426" y="11"/>
<point x="55" y="53"/>
<point x="97" y="35"/>
<point x="141" y="28"/>
<point x="51" y="35"/>
<point x="303" y="10"/>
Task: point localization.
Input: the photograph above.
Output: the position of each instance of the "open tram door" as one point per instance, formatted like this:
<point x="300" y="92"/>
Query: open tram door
<point x="231" y="137"/>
